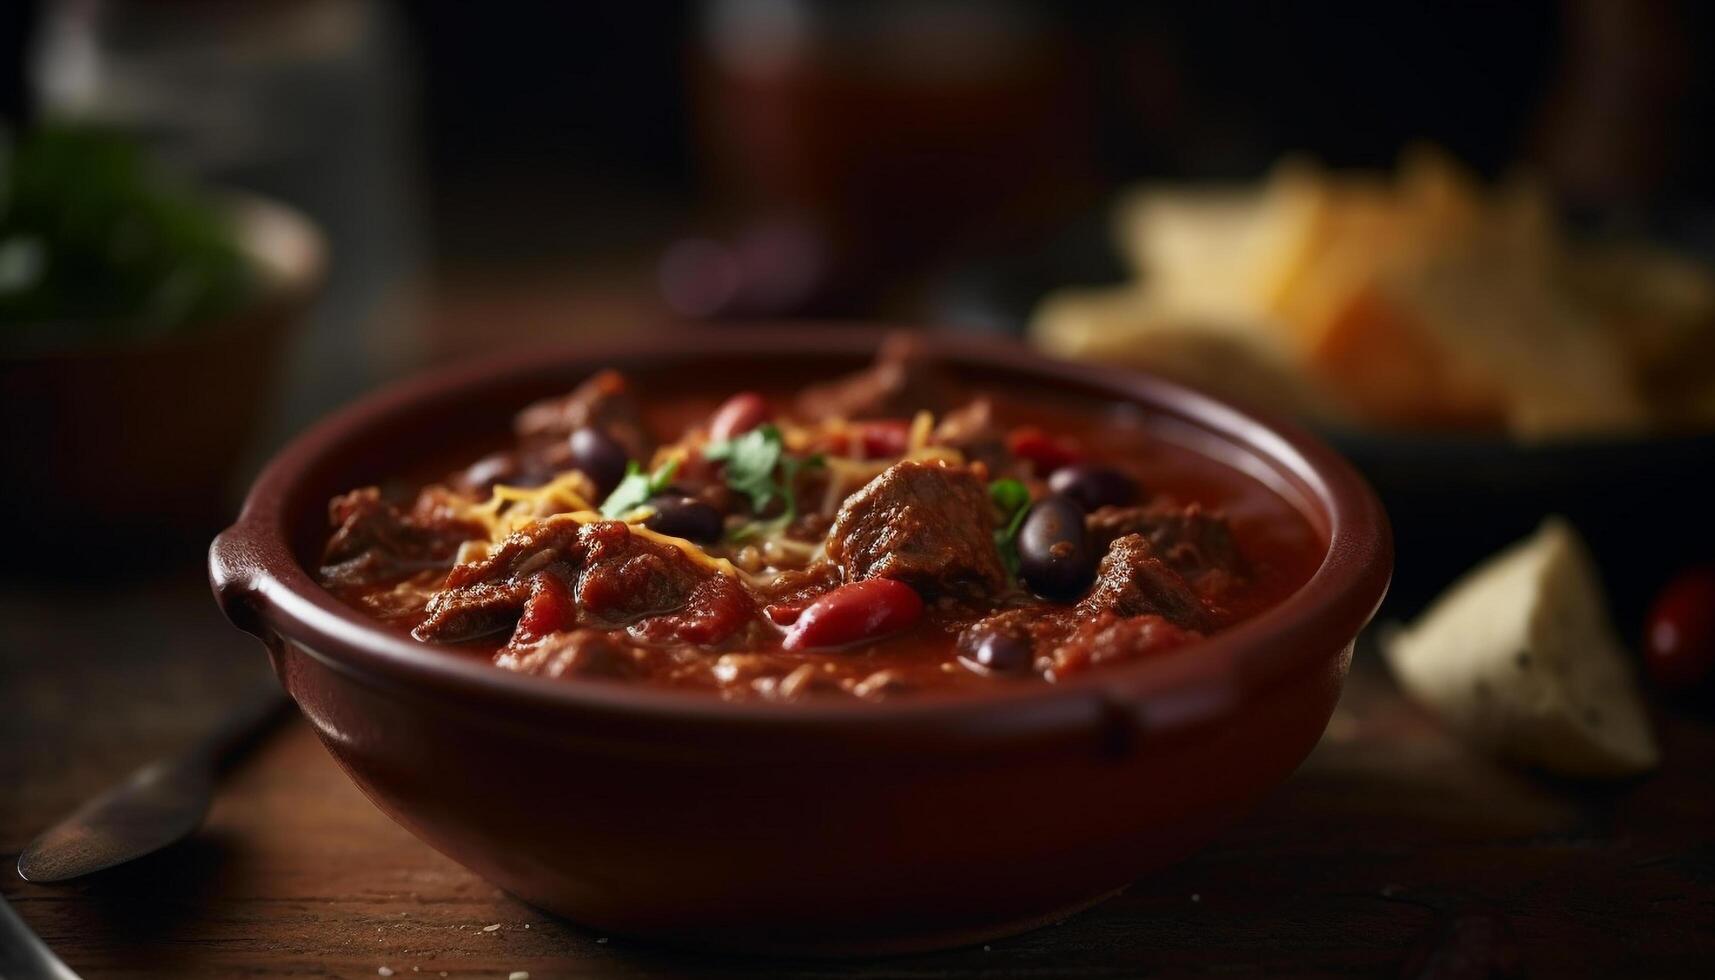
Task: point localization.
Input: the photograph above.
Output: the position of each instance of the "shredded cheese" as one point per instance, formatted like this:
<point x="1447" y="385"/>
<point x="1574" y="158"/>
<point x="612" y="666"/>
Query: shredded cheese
<point x="509" y="509"/>
<point x="690" y="549"/>
<point x="922" y="427"/>
<point x="571" y="496"/>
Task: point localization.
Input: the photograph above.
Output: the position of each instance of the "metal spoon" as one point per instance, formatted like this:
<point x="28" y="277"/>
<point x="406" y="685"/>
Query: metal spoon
<point x="157" y="805"/>
<point x="23" y="955"/>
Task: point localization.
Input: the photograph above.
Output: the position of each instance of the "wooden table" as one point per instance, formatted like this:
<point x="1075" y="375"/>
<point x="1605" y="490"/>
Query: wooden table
<point x="1393" y="851"/>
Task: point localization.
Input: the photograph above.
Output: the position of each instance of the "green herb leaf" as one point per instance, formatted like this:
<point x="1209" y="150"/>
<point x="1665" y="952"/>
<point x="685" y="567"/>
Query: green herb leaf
<point x="751" y="460"/>
<point x="758" y="466"/>
<point x="1010" y="495"/>
<point x="1012" y="498"/>
<point x="637" y="487"/>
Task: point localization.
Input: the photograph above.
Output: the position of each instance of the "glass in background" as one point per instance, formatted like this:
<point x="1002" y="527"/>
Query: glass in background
<point x="859" y="144"/>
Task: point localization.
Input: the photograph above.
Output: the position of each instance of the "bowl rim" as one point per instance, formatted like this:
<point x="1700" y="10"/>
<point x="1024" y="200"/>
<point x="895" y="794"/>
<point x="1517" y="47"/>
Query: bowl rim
<point x="263" y="588"/>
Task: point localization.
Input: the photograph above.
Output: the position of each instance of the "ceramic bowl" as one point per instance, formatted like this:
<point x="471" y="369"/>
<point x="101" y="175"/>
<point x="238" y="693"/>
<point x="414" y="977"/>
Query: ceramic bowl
<point x="807" y="828"/>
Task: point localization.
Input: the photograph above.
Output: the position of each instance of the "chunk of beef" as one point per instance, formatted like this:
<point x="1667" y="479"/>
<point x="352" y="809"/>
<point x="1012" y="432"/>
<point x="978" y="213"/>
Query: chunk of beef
<point x="375" y="542"/>
<point x="927" y="524"/>
<point x="715" y="610"/>
<point x="1193" y="542"/>
<point x="1132" y="581"/>
<point x="605" y="401"/>
<point x="581" y="653"/>
<point x="616" y="579"/>
<point x="1110" y="638"/>
<point x="623" y="577"/>
<point x="971" y="430"/>
<point x="810" y="525"/>
<point x="473" y="610"/>
<point x="786" y="595"/>
<point x="901" y="382"/>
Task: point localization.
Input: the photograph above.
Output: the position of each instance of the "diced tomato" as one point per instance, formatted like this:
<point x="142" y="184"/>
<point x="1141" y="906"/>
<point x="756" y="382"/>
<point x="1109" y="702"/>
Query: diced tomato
<point x="714" y="611"/>
<point x="549" y="609"/>
<point x="855" y="613"/>
<point x="784" y="613"/>
<point x="883" y="438"/>
<point x="1044" y="452"/>
<point x="876" y="439"/>
<point x="738" y="415"/>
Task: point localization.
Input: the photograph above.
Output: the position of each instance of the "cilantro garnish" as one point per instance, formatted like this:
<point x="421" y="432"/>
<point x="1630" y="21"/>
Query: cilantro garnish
<point x="635" y="490"/>
<point x="758" y="466"/>
<point x="1013" y="500"/>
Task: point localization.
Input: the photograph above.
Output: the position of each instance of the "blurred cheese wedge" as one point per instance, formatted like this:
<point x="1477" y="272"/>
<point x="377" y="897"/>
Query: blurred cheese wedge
<point x="1519" y="656"/>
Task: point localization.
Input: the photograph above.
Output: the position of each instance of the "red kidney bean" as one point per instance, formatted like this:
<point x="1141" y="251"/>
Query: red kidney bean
<point x="1679" y="633"/>
<point x="1043" y="452"/>
<point x="854" y="613"/>
<point x="738" y="415"/>
<point x="883" y="438"/>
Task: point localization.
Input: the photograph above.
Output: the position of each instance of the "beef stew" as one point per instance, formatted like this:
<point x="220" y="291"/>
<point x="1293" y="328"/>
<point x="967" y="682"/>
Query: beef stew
<point x="873" y="536"/>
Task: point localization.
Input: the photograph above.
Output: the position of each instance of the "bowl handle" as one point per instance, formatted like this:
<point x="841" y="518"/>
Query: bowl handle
<point x="234" y="573"/>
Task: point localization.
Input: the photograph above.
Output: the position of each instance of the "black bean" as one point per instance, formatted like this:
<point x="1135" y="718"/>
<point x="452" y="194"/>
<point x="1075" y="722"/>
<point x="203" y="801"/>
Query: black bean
<point x="685" y="517"/>
<point x="501" y="467"/>
<point x="1091" y="487"/>
<point x="599" y="456"/>
<point x="998" y="652"/>
<point x="1054" y="554"/>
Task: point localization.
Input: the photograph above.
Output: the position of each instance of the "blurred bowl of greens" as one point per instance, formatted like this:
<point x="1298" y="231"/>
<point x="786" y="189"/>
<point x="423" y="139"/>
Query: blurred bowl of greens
<point x="141" y="323"/>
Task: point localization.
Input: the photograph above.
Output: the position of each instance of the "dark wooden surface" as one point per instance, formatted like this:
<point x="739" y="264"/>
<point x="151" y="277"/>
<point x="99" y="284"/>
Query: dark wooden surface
<point x="1392" y="852"/>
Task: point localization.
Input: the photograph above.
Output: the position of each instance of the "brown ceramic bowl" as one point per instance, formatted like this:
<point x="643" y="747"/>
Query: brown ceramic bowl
<point x="820" y="828"/>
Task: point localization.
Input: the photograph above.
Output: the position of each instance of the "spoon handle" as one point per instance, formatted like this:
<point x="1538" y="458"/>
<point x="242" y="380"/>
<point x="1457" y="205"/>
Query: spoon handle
<point x="23" y="955"/>
<point x="250" y="718"/>
<point x="155" y="806"/>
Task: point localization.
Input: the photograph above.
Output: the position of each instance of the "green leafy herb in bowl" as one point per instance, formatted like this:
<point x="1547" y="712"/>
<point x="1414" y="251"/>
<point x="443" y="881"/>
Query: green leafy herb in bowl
<point x="142" y="322"/>
<point x="97" y="244"/>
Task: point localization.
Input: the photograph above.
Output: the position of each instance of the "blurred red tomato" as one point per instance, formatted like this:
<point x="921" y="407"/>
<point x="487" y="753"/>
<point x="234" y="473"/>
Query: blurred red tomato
<point x="1679" y="634"/>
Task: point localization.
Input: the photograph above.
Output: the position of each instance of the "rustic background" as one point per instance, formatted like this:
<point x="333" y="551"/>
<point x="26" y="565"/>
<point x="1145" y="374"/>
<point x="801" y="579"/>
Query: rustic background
<point x="543" y="171"/>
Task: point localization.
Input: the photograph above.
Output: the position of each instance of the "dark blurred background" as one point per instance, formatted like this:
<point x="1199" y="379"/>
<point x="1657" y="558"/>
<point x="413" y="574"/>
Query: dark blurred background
<point x="543" y="168"/>
<point x="510" y="172"/>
